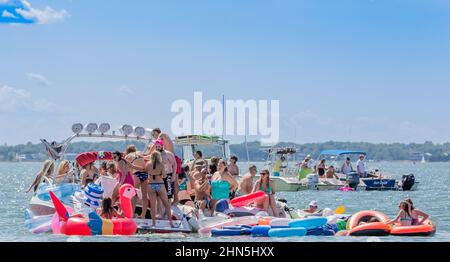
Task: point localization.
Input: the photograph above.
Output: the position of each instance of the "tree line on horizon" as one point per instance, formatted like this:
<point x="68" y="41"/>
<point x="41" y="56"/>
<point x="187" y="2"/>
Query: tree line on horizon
<point x="378" y="152"/>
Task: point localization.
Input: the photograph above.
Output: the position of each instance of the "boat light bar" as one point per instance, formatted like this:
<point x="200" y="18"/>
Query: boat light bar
<point x="91" y="128"/>
<point x="139" y="131"/>
<point x="104" y="128"/>
<point x="77" y="128"/>
<point x="126" y="130"/>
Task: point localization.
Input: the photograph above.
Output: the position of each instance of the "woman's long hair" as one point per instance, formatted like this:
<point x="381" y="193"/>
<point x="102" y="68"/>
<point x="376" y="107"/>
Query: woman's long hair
<point x="107" y="209"/>
<point x="60" y="170"/>
<point x="404" y="205"/>
<point x="155" y="159"/>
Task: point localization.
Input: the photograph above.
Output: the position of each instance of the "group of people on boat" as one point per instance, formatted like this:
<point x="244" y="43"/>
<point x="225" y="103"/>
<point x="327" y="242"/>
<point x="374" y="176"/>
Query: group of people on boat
<point x="308" y="166"/>
<point x="163" y="180"/>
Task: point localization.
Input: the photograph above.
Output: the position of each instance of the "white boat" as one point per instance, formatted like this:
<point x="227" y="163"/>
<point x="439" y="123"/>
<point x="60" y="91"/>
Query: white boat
<point x="210" y="146"/>
<point x="288" y="179"/>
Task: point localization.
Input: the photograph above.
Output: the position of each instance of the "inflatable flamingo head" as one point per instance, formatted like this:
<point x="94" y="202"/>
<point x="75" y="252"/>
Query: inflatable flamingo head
<point x="128" y="191"/>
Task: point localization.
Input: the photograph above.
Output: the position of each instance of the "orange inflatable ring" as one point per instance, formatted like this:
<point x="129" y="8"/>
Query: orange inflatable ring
<point x="427" y="229"/>
<point x="358" y="224"/>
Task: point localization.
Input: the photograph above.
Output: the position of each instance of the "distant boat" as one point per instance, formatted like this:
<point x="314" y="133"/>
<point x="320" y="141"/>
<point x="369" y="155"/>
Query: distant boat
<point x="423" y="160"/>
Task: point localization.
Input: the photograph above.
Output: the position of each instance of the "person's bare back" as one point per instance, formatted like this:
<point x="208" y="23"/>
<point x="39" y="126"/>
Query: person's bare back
<point x="246" y="185"/>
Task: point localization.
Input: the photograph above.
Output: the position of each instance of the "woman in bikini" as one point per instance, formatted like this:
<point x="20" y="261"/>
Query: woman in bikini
<point x="266" y="185"/>
<point x="64" y="174"/>
<point x="137" y="164"/>
<point x="156" y="187"/>
<point x="123" y="169"/>
<point x="404" y="215"/>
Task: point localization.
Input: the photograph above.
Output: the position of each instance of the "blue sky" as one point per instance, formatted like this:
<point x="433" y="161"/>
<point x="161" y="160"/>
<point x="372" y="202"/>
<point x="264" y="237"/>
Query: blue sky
<point x="372" y="70"/>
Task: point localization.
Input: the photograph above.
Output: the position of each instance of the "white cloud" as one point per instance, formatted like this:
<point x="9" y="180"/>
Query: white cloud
<point x="39" y="78"/>
<point x="41" y="16"/>
<point x="124" y="90"/>
<point x="13" y="100"/>
<point x="8" y="14"/>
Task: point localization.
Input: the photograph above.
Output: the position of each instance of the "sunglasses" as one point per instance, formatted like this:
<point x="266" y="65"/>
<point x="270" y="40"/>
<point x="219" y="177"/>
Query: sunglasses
<point x="263" y="174"/>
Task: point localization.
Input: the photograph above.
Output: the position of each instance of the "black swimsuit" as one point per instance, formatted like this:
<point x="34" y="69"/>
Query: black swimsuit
<point x="140" y="174"/>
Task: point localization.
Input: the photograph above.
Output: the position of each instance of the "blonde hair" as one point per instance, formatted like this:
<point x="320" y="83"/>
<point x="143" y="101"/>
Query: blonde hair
<point x="60" y="170"/>
<point x="155" y="158"/>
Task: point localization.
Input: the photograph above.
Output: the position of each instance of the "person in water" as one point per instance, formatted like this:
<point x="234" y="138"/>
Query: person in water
<point x="321" y="168"/>
<point x="246" y="182"/>
<point x="184" y="187"/>
<point x="156" y="186"/>
<point x="266" y="185"/>
<point x="416" y="214"/>
<point x="347" y="167"/>
<point x="108" y="211"/>
<point x="46" y="171"/>
<point x="137" y="164"/>
<point x="203" y="193"/>
<point x="170" y="168"/>
<point x="278" y="166"/>
<point x="64" y="174"/>
<point x="404" y="215"/>
<point x="233" y="168"/>
<point x="223" y="184"/>
<point x="124" y="176"/>
<point x="312" y="208"/>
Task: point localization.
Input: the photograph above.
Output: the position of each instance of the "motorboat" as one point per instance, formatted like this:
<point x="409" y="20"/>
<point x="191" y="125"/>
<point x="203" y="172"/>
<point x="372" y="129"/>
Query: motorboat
<point x="375" y="179"/>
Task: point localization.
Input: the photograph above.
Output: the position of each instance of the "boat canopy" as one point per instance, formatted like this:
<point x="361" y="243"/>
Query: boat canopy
<point x="199" y="140"/>
<point x="341" y="152"/>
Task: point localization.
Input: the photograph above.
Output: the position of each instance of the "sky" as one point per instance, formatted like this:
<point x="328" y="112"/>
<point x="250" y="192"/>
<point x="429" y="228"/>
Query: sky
<point x="362" y="70"/>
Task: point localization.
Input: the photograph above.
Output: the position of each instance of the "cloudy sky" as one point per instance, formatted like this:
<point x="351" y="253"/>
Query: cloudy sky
<point x="374" y="70"/>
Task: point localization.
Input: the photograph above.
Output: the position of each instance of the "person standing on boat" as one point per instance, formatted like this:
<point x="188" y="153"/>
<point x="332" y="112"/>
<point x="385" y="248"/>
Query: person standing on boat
<point x="347" y="167"/>
<point x="266" y="185"/>
<point x="233" y="168"/>
<point x="185" y="189"/>
<point x="170" y="168"/>
<point x="278" y="166"/>
<point x="306" y="167"/>
<point x="246" y="183"/>
<point x="223" y="184"/>
<point x="157" y="189"/>
<point x="198" y="157"/>
<point x="123" y="169"/>
<point x="321" y="168"/>
<point x="202" y="190"/>
<point x="137" y="163"/>
<point x="47" y="171"/>
<point x="157" y="134"/>
<point x="213" y="166"/>
<point x="361" y="166"/>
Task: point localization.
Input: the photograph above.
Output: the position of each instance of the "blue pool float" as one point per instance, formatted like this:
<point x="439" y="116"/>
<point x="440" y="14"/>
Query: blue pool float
<point x="230" y="232"/>
<point x="309" y="223"/>
<point x="288" y="232"/>
<point x="261" y="231"/>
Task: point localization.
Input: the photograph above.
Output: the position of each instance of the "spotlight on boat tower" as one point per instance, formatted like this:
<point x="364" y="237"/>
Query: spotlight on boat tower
<point x="91" y="128"/>
<point x="104" y="128"/>
<point x="126" y="130"/>
<point x="139" y="131"/>
<point x="77" y="128"/>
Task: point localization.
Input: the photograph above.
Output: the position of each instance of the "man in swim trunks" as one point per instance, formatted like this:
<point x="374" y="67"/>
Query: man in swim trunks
<point x="246" y="183"/>
<point x="170" y="167"/>
<point x="203" y="192"/>
<point x="313" y="206"/>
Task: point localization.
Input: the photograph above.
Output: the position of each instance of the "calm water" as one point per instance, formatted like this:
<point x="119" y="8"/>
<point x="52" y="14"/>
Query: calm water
<point x="433" y="197"/>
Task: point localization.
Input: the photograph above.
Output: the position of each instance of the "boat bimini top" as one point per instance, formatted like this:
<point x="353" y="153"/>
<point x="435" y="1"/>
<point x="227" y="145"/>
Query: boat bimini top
<point x="341" y="152"/>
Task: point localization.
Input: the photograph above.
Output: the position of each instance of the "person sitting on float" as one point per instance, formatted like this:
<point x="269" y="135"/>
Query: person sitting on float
<point x="266" y="185"/>
<point x="404" y="215"/>
<point x="416" y="214"/>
